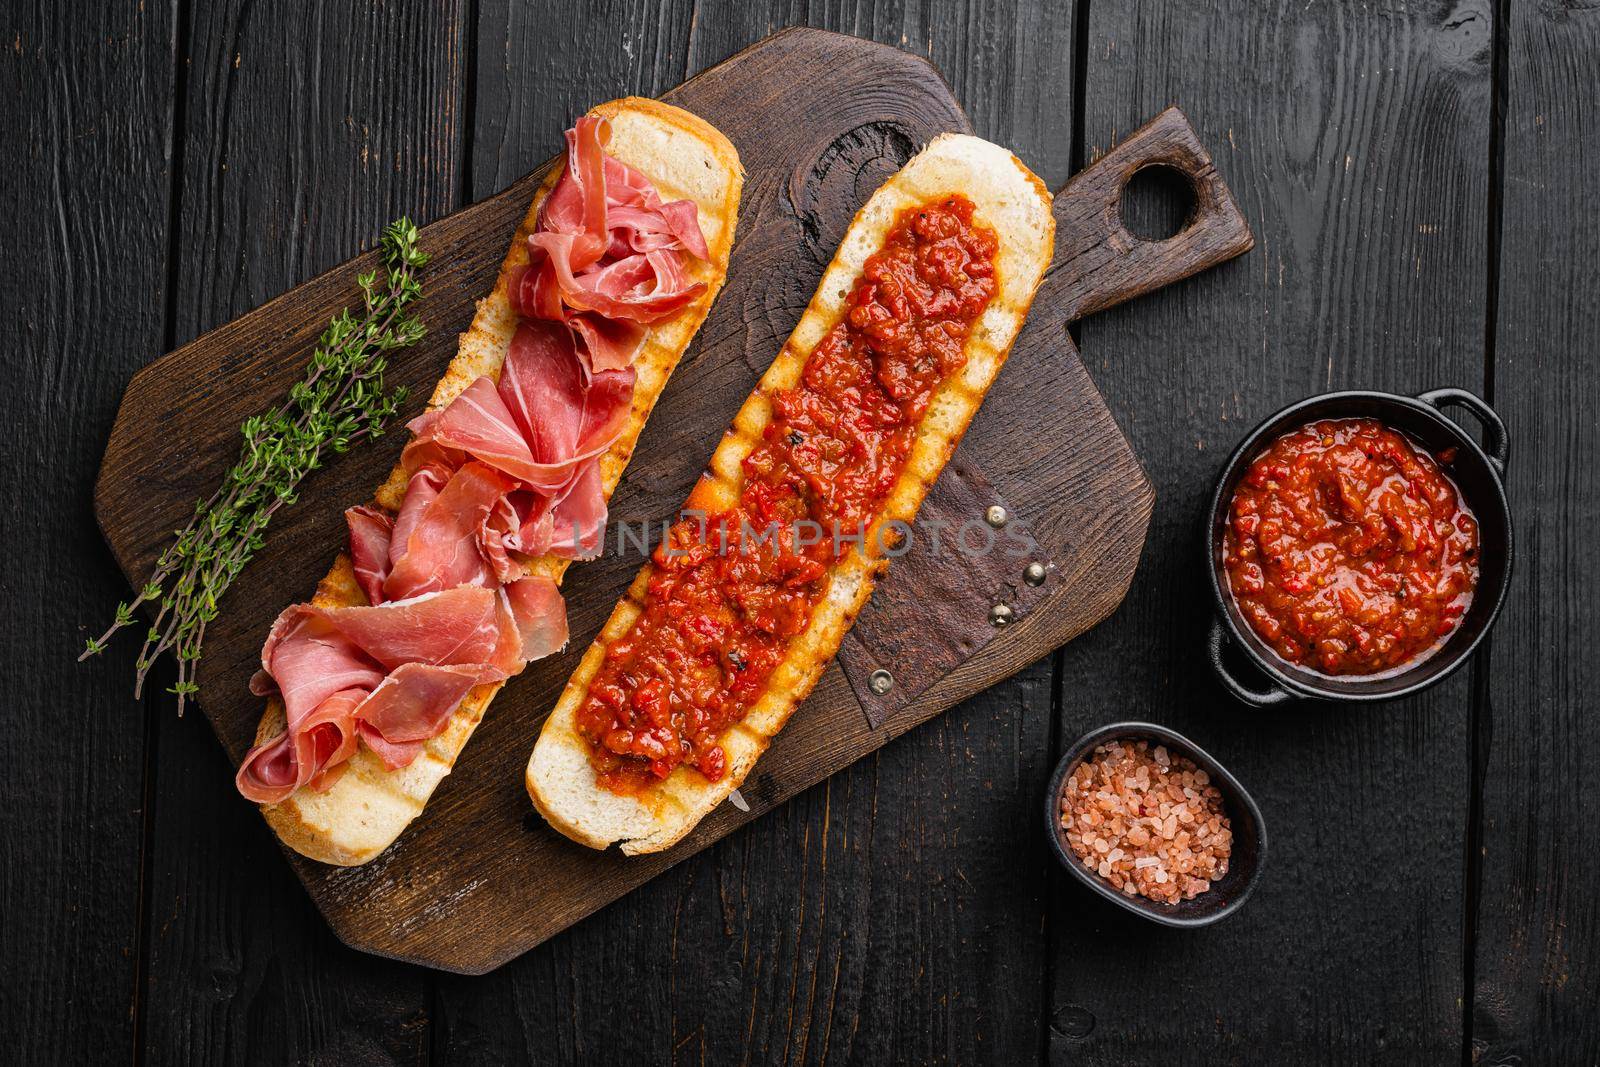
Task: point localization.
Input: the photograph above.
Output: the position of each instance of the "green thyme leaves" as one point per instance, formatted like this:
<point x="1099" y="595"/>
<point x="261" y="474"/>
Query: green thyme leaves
<point x="340" y="402"/>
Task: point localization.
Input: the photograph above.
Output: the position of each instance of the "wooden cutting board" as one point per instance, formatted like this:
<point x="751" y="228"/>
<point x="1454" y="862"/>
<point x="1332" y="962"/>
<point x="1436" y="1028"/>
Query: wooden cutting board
<point x="819" y="120"/>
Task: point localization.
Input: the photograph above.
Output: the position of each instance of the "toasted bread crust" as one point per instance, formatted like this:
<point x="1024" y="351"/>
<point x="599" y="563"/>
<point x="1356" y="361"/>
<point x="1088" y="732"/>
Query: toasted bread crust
<point x="1013" y="202"/>
<point x="686" y="157"/>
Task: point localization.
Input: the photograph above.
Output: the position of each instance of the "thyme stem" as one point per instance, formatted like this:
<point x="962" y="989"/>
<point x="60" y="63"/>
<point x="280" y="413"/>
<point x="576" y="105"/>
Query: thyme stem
<point x="340" y="402"/>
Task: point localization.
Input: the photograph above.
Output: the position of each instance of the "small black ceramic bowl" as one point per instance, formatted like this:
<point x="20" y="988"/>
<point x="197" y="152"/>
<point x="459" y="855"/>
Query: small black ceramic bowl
<point x="1249" y="831"/>
<point x="1478" y="472"/>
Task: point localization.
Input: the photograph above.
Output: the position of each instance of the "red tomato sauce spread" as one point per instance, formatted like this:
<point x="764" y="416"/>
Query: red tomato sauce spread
<point x="1348" y="550"/>
<point x="728" y="592"/>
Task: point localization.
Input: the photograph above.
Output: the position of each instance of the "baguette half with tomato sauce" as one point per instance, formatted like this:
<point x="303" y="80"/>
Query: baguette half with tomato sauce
<point x="645" y="781"/>
<point x="684" y="158"/>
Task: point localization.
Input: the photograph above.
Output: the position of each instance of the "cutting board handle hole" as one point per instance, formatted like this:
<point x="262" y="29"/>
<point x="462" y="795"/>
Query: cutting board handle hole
<point x="1158" y="202"/>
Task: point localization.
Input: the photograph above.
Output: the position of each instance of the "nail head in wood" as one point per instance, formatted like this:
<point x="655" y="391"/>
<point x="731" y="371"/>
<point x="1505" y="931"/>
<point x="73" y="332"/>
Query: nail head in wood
<point x="881" y="682"/>
<point x="996" y="516"/>
<point x="1001" y="615"/>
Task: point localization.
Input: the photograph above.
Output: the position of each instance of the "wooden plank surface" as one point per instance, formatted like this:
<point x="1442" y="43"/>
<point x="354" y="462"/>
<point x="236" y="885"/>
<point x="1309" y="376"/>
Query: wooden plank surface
<point x="85" y="225"/>
<point x="1355" y="137"/>
<point x="1537" y="966"/>
<point x="839" y="927"/>
<point x="303" y="138"/>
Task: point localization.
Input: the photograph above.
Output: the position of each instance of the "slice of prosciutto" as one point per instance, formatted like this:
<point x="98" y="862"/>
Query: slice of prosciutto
<point x="607" y="256"/>
<point x="507" y="472"/>
<point x="389" y="674"/>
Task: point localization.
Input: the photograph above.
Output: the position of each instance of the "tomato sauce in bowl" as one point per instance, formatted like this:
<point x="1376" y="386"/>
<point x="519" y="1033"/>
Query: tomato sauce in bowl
<point x="1348" y="550"/>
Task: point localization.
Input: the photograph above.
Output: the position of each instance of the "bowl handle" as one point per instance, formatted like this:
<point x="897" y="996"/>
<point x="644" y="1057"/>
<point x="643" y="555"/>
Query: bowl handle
<point x="1497" y="441"/>
<point x="1256" y="698"/>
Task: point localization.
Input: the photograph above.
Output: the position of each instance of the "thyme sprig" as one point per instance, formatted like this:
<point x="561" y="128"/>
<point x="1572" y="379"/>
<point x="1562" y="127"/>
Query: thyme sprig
<point x="340" y="402"/>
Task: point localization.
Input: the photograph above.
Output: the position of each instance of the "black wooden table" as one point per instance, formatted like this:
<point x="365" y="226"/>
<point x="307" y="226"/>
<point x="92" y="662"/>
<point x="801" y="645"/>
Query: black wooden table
<point x="1423" y="181"/>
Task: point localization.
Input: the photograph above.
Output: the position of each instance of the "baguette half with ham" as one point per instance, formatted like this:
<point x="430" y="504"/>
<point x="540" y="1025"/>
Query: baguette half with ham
<point x="643" y="779"/>
<point x="670" y="159"/>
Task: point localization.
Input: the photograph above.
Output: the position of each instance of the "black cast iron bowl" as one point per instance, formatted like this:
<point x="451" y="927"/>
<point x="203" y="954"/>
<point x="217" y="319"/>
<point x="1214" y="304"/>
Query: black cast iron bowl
<point x="1227" y="893"/>
<point x="1478" y="472"/>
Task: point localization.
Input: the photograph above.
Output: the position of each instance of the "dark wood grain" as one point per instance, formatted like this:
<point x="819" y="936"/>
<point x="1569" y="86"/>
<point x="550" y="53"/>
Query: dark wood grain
<point x="1100" y="262"/>
<point x="901" y="910"/>
<point x="1537" y="966"/>
<point x="86" y="122"/>
<point x="1080" y="482"/>
<point x="303" y="136"/>
<point x="1355" y="140"/>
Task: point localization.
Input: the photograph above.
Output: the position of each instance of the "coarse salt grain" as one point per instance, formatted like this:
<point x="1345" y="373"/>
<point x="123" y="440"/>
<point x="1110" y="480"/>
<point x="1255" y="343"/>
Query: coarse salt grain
<point x="1147" y="822"/>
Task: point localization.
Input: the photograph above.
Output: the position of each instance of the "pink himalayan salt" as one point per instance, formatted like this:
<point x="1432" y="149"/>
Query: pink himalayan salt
<point x="1148" y="822"/>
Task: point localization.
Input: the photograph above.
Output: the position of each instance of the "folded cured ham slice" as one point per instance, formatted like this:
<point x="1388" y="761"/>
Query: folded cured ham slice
<point x="370" y="534"/>
<point x="409" y="706"/>
<point x="388" y="674"/>
<point x="539" y="424"/>
<point x="507" y="467"/>
<point x="450" y="584"/>
<point x="440" y="549"/>
<point x="604" y="259"/>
